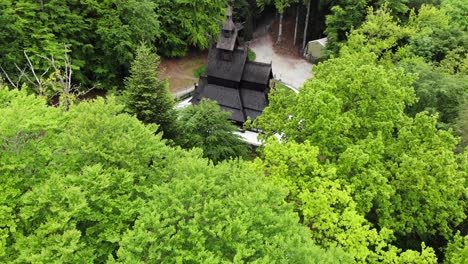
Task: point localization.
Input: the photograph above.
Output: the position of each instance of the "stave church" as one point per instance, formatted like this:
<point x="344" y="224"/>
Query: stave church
<point x="238" y="85"/>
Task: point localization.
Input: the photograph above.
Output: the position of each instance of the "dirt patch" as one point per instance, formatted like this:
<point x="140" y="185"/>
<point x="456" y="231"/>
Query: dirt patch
<point x="179" y="71"/>
<point x="286" y="46"/>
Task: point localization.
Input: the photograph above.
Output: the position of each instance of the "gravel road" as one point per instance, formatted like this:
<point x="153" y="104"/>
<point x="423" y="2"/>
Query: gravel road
<point x="291" y="70"/>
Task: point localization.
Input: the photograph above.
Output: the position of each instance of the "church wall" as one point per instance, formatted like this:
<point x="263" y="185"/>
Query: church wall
<point x="253" y="86"/>
<point x="222" y="82"/>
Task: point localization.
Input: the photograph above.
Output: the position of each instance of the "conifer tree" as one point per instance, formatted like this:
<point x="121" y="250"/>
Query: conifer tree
<point x="147" y="96"/>
<point x="207" y="127"/>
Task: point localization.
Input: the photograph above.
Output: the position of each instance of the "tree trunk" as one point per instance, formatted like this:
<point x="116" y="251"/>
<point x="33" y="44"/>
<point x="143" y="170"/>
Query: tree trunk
<point x="295" y="27"/>
<point x="306" y="25"/>
<point x="280" y="30"/>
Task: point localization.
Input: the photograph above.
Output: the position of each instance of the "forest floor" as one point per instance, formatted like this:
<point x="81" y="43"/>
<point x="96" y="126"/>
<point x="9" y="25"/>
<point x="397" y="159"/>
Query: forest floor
<point x="287" y="62"/>
<point x="179" y="71"/>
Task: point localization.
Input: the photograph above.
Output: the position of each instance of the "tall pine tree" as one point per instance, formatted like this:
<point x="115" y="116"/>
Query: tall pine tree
<point x="146" y="96"/>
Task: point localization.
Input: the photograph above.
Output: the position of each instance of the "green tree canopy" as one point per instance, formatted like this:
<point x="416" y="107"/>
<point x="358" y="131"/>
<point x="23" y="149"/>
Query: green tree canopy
<point x="207" y="127"/>
<point x="400" y="171"/>
<point x="325" y="205"/>
<point x="95" y="185"/>
<point x="102" y="35"/>
<point x="210" y="216"/>
<point x="348" y="98"/>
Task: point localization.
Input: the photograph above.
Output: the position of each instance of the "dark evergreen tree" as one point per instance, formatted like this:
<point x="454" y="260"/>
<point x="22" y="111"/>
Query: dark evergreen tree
<point x="148" y="97"/>
<point x="207" y="127"/>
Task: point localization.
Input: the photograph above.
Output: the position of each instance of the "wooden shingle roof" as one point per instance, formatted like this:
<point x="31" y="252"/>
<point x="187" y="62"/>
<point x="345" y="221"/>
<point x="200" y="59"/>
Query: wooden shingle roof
<point x="227" y="41"/>
<point x="253" y="114"/>
<point x="253" y="99"/>
<point x="223" y="69"/>
<point x="257" y="72"/>
<point x="227" y="63"/>
<point x="228" y="37"/>
<point x="250" y="103"/>
<point x="227" y="98"/>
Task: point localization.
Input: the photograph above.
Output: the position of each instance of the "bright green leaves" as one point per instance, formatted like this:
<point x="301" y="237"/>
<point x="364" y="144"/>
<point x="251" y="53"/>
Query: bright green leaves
<point x="217" y="214"/>
<point x="187" y="23"/>
<point x="325" y="204"/>
<point x="72" y="180"/>
<point x="123" y="27"/>
<point x="349" y="97"/>
<point x="428" y="181"/>
<point x="436" y="34"/>
<point x="380" y="33"/>
<point x="96" y="186"/>
<point x="27" y="130"/>
<point x="457" y="250"/>
<point x="361" y="165"/>
<point x="374" y="165"/>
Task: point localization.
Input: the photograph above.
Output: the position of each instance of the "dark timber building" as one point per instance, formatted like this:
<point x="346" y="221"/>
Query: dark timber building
<point x="238" y="85"/>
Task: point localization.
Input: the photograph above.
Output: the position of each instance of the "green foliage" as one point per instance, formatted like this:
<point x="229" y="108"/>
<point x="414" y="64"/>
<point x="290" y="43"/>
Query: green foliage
<point x="146" y="96"/>
<point x="440" y="68"/>
<point x="399" y="172"/>
<point x="461" y="125"/>
<point x="200" y="71"/>
<point x="83" y="174"/>
<point x="437" y="30"/>
<point x="280" y="5"/>
<point x="207" y="127"/>
<point x="436" y="34"/>
<point x="93" y="185"/>
<point x="348" y="15"/>
<point x="102" y="35"/>
<point x="206" y="218"/>
<point x="437" y="91"/>
<point x="251" y="55"/>
<point x="457" y="10"/>
<point x="457" y="250"/>
<point x="326" y="206"/>
<point x="27" y="130"/>
<point x="182" y="27"/>
<point x="344" y="16"/>
<point x="348" y="98"/>
<point x="428" y="181"/>
<point x="380" y="33"/>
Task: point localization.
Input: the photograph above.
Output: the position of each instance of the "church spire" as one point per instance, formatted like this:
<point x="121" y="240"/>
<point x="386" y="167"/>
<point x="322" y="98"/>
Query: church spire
<point x="227" y="39"/>
<point x="229" y="25"/>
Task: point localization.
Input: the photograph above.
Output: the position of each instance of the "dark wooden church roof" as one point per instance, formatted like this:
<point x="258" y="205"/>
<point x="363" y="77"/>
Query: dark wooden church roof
<point x="227" y="41"/>
<point x="238" y="85"/>
<point x="242" y="103"/>
<point x="227" y="98"/>
<point x="228" y="37"/>
<point x="256" y="72"/>
<point x="253" y="99"/>
<point x="224" y="69"/>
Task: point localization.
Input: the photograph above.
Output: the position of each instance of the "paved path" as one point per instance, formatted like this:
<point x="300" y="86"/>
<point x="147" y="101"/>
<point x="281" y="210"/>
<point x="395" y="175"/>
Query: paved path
<point x="290" y="70"/>
<point x="183" y="91"/>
